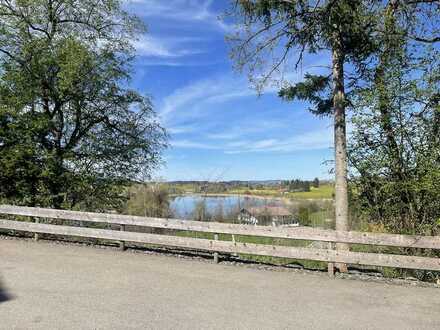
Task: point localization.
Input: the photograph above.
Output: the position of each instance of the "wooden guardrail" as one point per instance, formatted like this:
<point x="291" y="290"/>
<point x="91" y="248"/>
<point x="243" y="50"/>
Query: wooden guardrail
<point x="298" y="233"/>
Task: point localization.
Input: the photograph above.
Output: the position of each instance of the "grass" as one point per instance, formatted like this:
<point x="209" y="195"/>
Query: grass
<point x="264" y="192"/>
<point x="320" y="219"/>
<point x="308" y="264"/>
<point x="325" y="191"/>
<point x="322" y="192"/>
<point x="387" y="272"/>
<point x="317" y="219"/>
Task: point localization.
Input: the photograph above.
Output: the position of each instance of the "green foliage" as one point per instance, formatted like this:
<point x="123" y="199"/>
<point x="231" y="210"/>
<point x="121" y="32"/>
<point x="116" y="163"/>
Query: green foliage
<point x="315" y="89"/>
<point x="392" y="87"/>
<point x="395" y="145"/>
<point x="148" y="201"/>
<point x="326" y="191"/>
<point x="275" y="32"/>
<point x="297" y="185"/>
<point x="70" y="132"/>
<point x="303" y="216"/>
<point x="200" y="212"/>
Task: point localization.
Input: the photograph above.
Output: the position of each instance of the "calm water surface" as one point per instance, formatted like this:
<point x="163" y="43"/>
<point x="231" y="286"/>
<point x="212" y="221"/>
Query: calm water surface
<point x="184" y="206"/>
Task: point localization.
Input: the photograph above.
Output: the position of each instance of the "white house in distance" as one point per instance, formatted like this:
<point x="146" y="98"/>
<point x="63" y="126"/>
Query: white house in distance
<point x="267" y="216"/>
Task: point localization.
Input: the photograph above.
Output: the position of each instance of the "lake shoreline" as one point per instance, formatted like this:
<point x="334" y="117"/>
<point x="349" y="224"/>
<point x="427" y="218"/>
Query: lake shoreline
<point x="190" y="205"/>
<point x="279" y="198"/>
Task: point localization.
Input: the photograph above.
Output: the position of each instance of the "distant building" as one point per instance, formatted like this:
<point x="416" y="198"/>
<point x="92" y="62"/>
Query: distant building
<point x="267" y="216"/>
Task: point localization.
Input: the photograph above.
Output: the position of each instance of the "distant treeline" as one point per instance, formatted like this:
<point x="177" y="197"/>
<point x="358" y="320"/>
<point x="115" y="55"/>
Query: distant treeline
<point x="296" y="185"/>
<point x="300" y="185"/>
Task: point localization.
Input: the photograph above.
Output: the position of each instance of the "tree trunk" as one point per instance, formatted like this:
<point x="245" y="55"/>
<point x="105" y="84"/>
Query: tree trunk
<point x="341" y="192"/>
<point x="57" y="183"/>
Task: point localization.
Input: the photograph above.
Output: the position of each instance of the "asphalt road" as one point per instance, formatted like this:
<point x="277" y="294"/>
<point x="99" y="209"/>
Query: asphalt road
<point x="53" y="286"/>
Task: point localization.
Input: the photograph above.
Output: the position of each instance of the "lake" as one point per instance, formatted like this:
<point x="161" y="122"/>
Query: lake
<point x="184" y="206"/>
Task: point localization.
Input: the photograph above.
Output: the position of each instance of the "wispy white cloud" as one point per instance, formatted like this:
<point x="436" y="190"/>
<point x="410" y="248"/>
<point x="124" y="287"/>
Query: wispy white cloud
<point x="314" y="140"/>
<point x="175" y="62"/>
<point x="254" y="126"/>
<point x="197" y="11"/>
<point x="194" y="99"/>
<point x="202" y="104"/>
<point x="230" y="135"/>
<point x="191" y="97"/>
<point x="193" y="145"/>
<point x="181" y="129"/>
<point x="150" y="46"/>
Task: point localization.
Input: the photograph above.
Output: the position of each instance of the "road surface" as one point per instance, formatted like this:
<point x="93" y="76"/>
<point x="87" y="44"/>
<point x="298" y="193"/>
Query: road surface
<point x="55" y="286"/>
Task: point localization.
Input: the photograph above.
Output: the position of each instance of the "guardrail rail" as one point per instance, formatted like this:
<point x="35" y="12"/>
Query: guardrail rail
<point x="329" y="255"/>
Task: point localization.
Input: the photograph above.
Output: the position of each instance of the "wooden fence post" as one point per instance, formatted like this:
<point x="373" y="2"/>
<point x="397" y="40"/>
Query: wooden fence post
<point x="233" y="241"/>
<point x="122" y="243"/>
<point x="331" y="265"/>
<point x="37" y="227"/>
<point x="216" y="253"/>
<point x="36" y="235"/>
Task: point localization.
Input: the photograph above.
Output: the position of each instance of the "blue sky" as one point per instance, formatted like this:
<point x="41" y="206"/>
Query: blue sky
<point x="220" y="129"/>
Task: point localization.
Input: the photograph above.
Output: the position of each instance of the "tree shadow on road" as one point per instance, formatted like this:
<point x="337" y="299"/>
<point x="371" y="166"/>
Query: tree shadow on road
<point x="4" y="295"/>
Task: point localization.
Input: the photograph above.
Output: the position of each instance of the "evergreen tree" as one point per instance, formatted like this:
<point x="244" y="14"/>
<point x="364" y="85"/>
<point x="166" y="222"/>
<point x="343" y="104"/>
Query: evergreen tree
<point x="316" y="183"/>
<point x="272" y="33"/>
<point x="274" y="29"/>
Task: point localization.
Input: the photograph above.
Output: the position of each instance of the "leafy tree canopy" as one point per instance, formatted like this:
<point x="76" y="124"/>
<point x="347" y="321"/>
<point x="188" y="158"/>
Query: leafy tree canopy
<point x="70" y="129"/>
<point x="395" y="145"/>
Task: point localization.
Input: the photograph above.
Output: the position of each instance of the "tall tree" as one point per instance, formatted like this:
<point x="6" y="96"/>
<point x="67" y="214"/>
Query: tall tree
<point x="395" y="147"/>
<point x="272" y="32"/>
<point x="70" y="129"/>
<point x="274" y="35"/>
